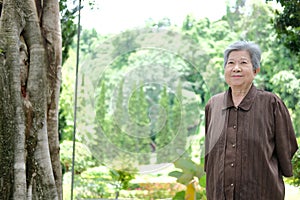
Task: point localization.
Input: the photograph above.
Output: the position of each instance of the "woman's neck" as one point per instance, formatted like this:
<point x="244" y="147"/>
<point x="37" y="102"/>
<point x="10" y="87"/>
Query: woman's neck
<point x="238" y="94"/>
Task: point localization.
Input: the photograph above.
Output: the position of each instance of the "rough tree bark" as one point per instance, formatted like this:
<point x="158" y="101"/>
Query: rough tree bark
<point x="30" y="76"/>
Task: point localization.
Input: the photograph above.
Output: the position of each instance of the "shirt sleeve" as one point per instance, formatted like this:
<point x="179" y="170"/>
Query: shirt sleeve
<point x="285" y="138"/>
<point x="207" y="120"/>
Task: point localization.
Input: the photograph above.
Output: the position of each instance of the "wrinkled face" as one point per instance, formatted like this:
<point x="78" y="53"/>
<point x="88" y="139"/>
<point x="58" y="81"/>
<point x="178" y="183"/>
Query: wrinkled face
<point x="239" y="72"/>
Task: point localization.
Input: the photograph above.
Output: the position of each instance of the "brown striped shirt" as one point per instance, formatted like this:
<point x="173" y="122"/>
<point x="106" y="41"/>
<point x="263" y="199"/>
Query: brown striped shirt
<point x="248" y="148"/>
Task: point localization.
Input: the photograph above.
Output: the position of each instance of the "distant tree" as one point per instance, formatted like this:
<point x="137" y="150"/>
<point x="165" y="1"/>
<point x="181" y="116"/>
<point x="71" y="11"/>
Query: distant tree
<point x="119" y="123"/>
<point x="178" y="123"/>
<point x="164" y="136"/>
<point x="101" y="109"/>
<point x="234" y="13"/>
<point x="68" y="25"/>
<point x="118" y="114"/>
<point x="69" y="11"/>
<point x="287" y="24"/>
<point x="138" y="123"/>
<point x="177" y="110"/>
<point x="89" y="40"/>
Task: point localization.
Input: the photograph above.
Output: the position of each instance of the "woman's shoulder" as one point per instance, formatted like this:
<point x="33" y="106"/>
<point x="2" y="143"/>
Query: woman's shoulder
<point x="217" y="97"/>
<point x="268" y="95"/>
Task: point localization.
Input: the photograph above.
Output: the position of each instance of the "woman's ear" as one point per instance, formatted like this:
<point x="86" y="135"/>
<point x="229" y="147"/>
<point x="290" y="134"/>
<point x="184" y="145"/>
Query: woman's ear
<point x="256" y="71"/>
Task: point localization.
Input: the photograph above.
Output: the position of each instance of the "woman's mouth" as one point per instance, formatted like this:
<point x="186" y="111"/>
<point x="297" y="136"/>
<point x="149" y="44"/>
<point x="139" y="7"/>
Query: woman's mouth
<point x="236" y="76"/>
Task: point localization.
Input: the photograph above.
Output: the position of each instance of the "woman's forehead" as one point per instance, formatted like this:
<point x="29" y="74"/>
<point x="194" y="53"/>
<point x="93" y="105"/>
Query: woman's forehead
<point x="239" y="55"/>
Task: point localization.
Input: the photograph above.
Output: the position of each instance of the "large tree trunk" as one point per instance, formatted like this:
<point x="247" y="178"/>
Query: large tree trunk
<point x="30" y="67"/>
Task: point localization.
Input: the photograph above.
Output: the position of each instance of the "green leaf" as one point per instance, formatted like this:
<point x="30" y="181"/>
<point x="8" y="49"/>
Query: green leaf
<point x="199" y="172"/>
<point x="175" y="174"/>
<point x="202" y="181"/>
<point x="185" y="178"/>
<point x="179" y="195"/>
<point x="186" y="164"/>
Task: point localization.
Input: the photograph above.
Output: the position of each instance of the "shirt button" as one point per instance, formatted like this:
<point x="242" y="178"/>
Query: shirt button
<point x="234" y="126"/>
<point x="233" y="146"/>
<point x="232" y="165"/>
<point x="231" y="185"/>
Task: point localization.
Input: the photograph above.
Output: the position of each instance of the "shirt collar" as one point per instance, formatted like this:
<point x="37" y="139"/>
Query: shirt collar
<point x="246" y="102"/>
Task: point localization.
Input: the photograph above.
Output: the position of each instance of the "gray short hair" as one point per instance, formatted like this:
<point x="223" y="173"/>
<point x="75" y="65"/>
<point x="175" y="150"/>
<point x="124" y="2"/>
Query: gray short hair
<point x="251" y="47"/>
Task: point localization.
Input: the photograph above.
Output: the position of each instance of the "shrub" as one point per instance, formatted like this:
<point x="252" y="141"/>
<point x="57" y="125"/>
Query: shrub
<point x="94" y="183"/>
<point x="150" y="191"/>
<point x="83" y="156"/>
<point x="296" y="169"/>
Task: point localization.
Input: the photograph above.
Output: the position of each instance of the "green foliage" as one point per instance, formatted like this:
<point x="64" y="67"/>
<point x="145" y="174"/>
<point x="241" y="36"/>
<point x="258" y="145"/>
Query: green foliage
<point x="102" y="182"/>
<point x="181" y="195"/>
<point x="287" y="85"/>
<point x="279" y="74"/>
<point x="151" y="191"/>
<point x="94" y="183"/>
<point x="66" y="103"/>
<point x="118" y="112"/>
<point x="126" y="43"/>
<point x="177" y="114"/>
<point x="69" y="12"/>
<point x="189" y="170"/>
<point x="139" y="121"/>
<point x="296" y="168"/>
<point x="101" y="108"/>
<point x="62" y="122"/>
<point x="287" y="24"/>
<point x="68" y="26"/>
<point x="83" y="159"/>
<point x="88" y="41"/>
<point x="121" y="178"/>
<point x="164" y="137"/>
<point x="138" y="106"/>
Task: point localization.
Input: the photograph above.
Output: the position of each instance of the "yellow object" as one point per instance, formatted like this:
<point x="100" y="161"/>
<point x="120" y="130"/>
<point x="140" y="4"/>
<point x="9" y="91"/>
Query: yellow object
<point x="190" y="193"/>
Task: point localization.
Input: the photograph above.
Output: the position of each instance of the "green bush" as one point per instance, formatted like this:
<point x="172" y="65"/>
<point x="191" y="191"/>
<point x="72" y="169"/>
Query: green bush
<point x="295" y="180"/>
<point x="100" y="182"/>
<point x="181" y="195"/>
<point x="188" y="171"/>
<point x="121" y="179"/>
<point x="150" y="191"/>
<point x="296" y="169"/>
<point x="83" y="156"/>
<point x="94" y="183"/>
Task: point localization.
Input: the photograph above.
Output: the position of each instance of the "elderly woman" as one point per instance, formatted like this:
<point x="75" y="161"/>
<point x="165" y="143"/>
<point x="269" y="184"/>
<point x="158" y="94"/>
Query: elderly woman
<point x="250" y="139"/>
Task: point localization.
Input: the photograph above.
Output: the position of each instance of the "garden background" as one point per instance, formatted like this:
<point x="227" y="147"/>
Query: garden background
<point x="141" y="98"/>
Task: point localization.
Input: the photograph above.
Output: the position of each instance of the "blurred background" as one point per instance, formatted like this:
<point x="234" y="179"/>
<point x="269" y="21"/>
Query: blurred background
<point x="146" y="71"/>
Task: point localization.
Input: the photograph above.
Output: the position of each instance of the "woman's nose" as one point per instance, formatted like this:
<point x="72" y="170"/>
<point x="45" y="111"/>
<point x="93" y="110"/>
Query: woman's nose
<point x="236" y="68"/>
